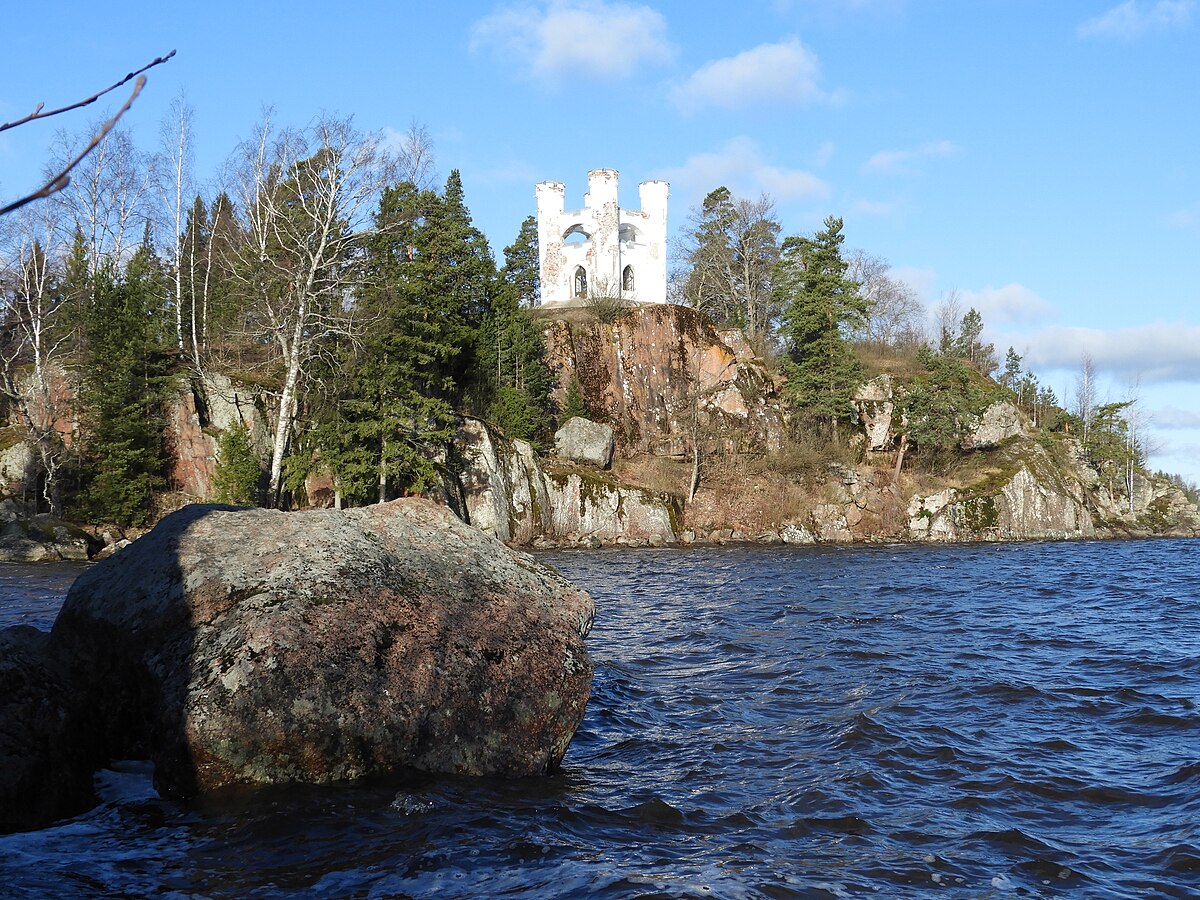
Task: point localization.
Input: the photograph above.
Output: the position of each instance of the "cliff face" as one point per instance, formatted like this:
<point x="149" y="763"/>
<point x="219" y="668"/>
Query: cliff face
<point x="664" y="377"/>
<point x="514" y="496"/>
<point x="702" y="455"/>
<point x="196" y="416"/>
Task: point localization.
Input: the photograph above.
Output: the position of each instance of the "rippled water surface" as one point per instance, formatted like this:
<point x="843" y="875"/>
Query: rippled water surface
<point x="989" y="721"/>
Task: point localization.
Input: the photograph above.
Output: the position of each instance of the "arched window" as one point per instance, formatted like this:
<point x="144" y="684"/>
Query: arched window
<point x="580" y="282"/>
<point x="627" y="279"/>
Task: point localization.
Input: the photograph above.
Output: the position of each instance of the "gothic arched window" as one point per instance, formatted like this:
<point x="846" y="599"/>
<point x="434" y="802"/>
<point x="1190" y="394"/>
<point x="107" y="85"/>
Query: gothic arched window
<point x="580" y="282"/>
<point x="627" y="279"/>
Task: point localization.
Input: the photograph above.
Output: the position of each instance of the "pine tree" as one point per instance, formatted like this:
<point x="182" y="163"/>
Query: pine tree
<point x="820" y="306"/>
<point x="942" y="405"/>
<point x="1012" y="370"/>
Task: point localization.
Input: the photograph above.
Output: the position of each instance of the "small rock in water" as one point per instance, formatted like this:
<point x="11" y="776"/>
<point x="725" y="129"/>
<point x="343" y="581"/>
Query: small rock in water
<point x="410" y="804"/>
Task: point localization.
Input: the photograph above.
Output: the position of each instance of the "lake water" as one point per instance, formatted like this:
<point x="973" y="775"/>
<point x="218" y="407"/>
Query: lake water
<point x="895" y="721"/>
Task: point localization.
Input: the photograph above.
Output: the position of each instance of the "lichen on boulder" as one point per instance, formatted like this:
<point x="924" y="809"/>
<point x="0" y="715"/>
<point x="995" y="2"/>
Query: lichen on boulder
<point x="237" y="646"/>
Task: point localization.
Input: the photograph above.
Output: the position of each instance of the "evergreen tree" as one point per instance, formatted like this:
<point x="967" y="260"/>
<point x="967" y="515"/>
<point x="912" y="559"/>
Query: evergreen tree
<point x="1012" y="372"/>
<point x="573" y="403"/>
<point x="389" y="406"/>
<point x="122" y="447"/>
<point x="942" y="405"/>
<point x="522" y="268"/>
<point x="511" y="349"/>
<point x="820" y="306"/>
<point x="969" y="345"/>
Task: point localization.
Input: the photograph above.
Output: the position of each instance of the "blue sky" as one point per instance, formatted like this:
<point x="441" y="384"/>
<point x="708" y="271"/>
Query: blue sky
<point x="1043" y="159"/>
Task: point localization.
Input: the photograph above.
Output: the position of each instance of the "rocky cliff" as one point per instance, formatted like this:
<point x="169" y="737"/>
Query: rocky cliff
<point x="663" y="376"/>
<point x="506" y="490"/>
<point x="702" y="453"/>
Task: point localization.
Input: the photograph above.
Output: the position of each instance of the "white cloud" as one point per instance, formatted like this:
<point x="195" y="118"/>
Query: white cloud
<point x="587" y="38"/>
<point x="1134" y="18"/>
<point x="1161" y="352"/>
<point x="1010" y="304"/>
<point x="920" y="280"/>
<point x="874" y="207"/>
<point x="786" y="72"/>
<point x="894" y="161"/>
<point x="1171" y="417"/>
<point x="786" y="6"/>
<point x="1184" y="218"/>
<point x="824" y="154"/>
<point x="740" y="167"/>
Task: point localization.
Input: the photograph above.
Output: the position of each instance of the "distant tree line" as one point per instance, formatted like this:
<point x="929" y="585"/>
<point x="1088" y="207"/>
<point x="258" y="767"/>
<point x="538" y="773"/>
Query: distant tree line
<point x="818" y="311"/>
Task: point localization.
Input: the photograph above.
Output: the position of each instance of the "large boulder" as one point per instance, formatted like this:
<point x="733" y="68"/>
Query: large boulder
<point x="875" y="403"/>
<point x="999" y="422"/>
<point x="45" y="770"/>
<point x="254" y="646"/>
<point x="585" y="441"/>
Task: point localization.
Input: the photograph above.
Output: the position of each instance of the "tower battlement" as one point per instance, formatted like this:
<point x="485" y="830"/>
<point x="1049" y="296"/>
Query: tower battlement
<point x="601" y="249"/>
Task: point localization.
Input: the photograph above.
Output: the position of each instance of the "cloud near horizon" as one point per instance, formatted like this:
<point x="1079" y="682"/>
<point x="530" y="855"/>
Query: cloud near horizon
<point x="896" y="161"/>
<point x="1172" y="417"/>
<point x="739" y="166"/>
<point x="783" y="72"/>
<point x="1159" y="353"/>
<point x="586" y="38"/>
<point x="1134" y="18"/>
<point x="1011" y="304"/>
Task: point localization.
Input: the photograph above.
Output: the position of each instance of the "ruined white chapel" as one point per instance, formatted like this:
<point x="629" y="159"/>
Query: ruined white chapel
<point x="601" y="249"/>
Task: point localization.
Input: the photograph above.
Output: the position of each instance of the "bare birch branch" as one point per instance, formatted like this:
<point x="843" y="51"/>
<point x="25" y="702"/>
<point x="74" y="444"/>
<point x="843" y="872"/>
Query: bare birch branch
<point x="38" y="114"/>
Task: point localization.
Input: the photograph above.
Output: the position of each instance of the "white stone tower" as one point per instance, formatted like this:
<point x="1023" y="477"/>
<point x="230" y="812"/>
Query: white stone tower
<point x="603" y="250"/>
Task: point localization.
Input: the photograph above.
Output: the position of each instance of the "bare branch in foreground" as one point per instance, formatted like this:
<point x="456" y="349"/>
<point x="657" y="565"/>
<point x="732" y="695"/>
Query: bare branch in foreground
<point x="63" y="178"/>
<point x="38" y="114"/>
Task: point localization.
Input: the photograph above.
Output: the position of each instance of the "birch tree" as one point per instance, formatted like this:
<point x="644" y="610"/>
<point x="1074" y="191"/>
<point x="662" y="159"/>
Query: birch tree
<point x="894" y="311"/>
<point x="1086" y="394"/>
<point x="306" y="198"/>
<point x="108" y="195"/>
<point x="732" y="247"/>
<point x="31" y="343"/>
<point x="175" y="188"/>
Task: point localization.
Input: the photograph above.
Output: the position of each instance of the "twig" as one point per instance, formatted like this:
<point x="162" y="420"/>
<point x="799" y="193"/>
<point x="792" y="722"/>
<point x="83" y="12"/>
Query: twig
<point x="38" y="114"/>
<point x="63" y="178"/>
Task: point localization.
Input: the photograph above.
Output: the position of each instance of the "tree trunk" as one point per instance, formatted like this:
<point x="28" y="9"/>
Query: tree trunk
<point x="283" y="427"/>
<point x="900" y="458"/>
<point x="383" y="470"/>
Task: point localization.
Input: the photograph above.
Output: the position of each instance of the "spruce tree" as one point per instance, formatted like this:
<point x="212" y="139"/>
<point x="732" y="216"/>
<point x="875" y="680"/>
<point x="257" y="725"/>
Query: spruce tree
<point x="123" y="458"/>
<point x="511" y="352"/>
<point x="388" y="406"/>
<point x="820" y="306"/>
